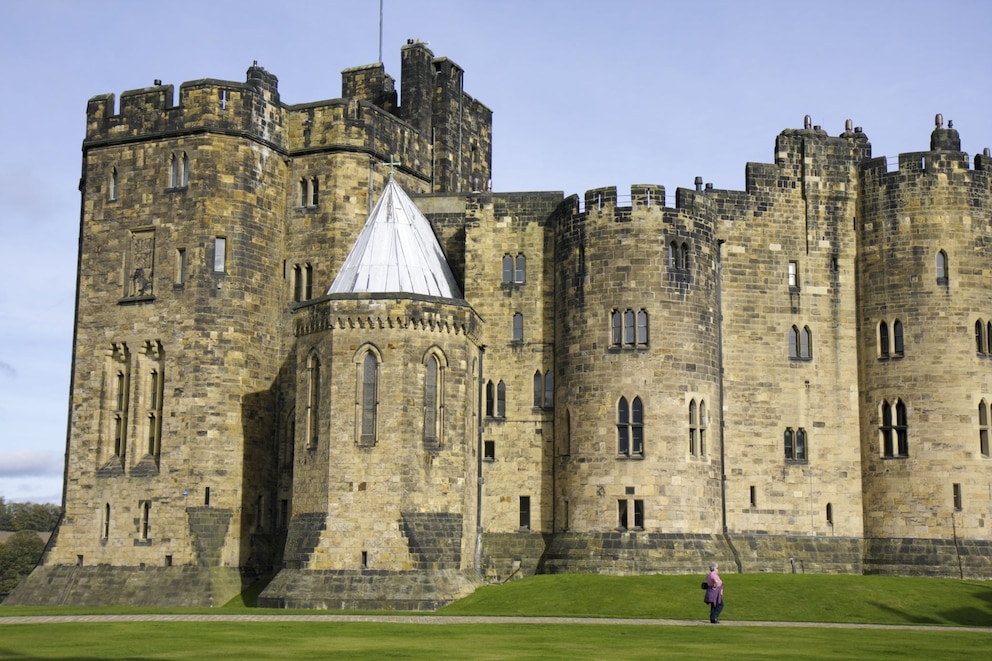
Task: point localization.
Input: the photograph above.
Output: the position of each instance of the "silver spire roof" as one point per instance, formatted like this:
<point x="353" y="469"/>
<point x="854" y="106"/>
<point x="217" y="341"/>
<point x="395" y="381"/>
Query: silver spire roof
<point x="396" y="252"/>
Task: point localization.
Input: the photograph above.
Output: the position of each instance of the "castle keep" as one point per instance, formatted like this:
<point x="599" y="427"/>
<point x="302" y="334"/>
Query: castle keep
<point x="312" y="345"/>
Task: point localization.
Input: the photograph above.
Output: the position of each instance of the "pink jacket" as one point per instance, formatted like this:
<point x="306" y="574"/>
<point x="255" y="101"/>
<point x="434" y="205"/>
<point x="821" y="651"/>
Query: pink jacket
<point x="714" y="593"/>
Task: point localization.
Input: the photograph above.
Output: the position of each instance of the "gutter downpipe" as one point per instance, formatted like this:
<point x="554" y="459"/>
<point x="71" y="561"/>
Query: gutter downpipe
<point x="722" y="389"/>
<point x="477" y="561"/>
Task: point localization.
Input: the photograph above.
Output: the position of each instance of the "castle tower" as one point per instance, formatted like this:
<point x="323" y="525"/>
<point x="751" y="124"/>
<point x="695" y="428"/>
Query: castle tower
<point x="637" y="461"/>
<point x="177" y="345"/>
<point x="924" y="318"/>
<point x="385" y="485"/>
<point x="203" y="223"/>
<point x="788" y="301"/>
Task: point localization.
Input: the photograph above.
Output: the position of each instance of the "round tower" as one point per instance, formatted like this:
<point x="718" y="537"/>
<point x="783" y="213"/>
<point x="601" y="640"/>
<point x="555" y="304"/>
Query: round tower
<point x="924" y="313"/>
<point x="637" y="365"/>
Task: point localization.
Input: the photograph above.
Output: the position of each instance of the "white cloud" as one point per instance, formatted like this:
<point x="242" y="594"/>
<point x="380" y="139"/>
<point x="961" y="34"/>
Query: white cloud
<point x="30" y="463"/>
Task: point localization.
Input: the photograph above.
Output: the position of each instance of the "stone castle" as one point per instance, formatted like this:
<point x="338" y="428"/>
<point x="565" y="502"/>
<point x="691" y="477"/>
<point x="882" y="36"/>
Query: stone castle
<point x="312" y="345"/>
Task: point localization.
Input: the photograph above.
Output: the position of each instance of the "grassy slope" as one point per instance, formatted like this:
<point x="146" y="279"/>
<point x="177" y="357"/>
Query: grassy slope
<point x="756" y="597"/>
<point x="760" y="597"/>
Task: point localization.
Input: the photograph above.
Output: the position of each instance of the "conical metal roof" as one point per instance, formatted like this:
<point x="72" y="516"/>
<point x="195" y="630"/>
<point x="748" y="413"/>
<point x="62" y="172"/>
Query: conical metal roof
<point x="396" y="252"/>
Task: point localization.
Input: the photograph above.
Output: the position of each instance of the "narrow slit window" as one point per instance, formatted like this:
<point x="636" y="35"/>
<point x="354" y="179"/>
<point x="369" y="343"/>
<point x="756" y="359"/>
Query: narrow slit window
<point x="180" y="278"/>
<point x="983" y="428"/>
<point x="220" y="254"/>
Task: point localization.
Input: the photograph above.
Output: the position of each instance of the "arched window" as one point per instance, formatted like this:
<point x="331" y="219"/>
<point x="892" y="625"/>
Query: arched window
<point x="370" y="385"/>
<point x="549" y="390"/>
<point x="897" y="344"/>
<point x="313" y="400"/>
<point x="184" y="175"/>
<point x="507" y="269"/>
<point x="538" y="389"/>
<point x="628" y="327"/>
<point x="805" y="344"/>
<point x="173" y="171"/>
<point x="314" y="191"/>
<point x="637" y="427"/>
<point x="630" y="427"/>
<point x="901" y="429"/>
<point x="518" y="327"/>
<point x="702" y="428"/>
<point x="983" y="428"/>
<point x="885" y="430"/>
<point x="432" y="400"/>
<point x="693" y="427"/>
<point x="795" y="444"/>
<point x="120" y="415"/>
<point x="673" y="255"/>
<point x="894" y="430"/>
<point x="794" y="343"/>
<point x="800" y="454"/>
<point x="297" y="283"/>
<point x="304" y="191"/>
<point x="830" y="514"/>
<point x="490" y="399"/>
<point x="501" y="400"/>
<point x="942" y="275"/>
<point x="155" y="383"/>
<point x="684" y="260"/>
<point x="642" y="327"/>
<point x="520" y="274"/>
<point x="617" y="328"/>
<point x="623" y="427"/>
<point x="980" y="336"/>
<point x="883" y="340"/>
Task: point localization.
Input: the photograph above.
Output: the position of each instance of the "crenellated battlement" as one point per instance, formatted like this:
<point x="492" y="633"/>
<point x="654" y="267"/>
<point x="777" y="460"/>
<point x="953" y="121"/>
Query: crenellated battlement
<point x="644" y="202"/>
<point x="252" y="108"/>
<point x="440" y="134"/>
<point x="938" y="178"/>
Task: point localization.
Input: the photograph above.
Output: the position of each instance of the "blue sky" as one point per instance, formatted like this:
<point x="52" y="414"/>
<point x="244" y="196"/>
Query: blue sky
<point x="584" y="95"/>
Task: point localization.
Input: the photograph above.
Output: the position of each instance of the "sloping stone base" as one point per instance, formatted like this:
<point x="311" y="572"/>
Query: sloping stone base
<point x="511" y="555"/>
<point x="105" y="585"/>
<point x="367" y="590"/>
<point x="964" y="558"/>
<point x="620" y="553"/>
<point x="783" y="554"/>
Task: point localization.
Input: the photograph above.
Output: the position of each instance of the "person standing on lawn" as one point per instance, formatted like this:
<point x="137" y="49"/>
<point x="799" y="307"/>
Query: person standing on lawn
<point x="714" y="593"/>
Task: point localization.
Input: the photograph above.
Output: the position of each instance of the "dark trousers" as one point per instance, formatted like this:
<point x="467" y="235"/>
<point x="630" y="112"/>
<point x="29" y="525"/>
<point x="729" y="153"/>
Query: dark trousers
<point x="715" y="610"/>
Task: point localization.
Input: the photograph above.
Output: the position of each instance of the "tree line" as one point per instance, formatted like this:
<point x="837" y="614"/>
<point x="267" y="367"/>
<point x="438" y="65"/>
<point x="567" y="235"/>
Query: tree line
<point x="21" y="552"/>
<point x="41" y="517"/>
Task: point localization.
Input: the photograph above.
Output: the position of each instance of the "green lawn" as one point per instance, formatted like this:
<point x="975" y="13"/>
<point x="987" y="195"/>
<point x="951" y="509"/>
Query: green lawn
<point x="952" y="604"/>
